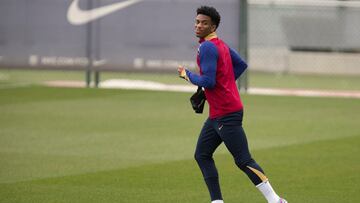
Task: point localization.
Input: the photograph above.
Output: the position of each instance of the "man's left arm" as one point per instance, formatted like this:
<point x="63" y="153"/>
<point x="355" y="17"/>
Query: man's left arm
<point x="239" y="65"/>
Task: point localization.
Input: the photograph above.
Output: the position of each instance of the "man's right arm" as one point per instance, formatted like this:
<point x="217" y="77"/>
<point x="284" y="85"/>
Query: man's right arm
<point x="208" y="55"/>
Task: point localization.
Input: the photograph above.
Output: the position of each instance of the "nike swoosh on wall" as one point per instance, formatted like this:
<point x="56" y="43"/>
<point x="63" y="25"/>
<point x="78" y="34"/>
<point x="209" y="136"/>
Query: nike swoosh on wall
<point x="77" y="16"/>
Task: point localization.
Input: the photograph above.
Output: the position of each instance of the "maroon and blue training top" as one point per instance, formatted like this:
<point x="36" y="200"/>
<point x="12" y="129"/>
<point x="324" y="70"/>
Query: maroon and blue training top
<point x="219" y="66"/>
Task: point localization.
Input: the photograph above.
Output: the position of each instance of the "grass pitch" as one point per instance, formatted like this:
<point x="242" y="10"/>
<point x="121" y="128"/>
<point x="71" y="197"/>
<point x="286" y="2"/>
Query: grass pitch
<point x="95" y="145"/>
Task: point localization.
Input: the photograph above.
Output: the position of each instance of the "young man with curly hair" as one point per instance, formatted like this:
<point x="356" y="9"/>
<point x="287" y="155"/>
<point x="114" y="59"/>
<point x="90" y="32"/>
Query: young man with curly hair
<point x="220" y="66"/>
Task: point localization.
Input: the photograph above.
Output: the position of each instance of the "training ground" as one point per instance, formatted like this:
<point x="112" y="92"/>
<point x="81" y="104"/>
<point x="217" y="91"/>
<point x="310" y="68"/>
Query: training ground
<point x="136" y="146"/>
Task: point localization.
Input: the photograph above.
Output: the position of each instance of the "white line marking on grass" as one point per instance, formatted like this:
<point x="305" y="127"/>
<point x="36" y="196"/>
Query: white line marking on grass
<point x="145" y="85"/>
<point x="156" y="86"/>
<point x="304" y="92"/>
<point x="62" y="83"/>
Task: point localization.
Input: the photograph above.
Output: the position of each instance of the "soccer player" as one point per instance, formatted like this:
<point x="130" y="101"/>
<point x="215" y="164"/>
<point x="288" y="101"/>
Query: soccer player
<point x="220" y="66"/>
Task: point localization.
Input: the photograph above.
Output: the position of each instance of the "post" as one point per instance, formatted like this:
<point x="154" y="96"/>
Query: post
<point x="96" y="48"/>
<point x="97" y="78"/>
<point x="243" y="43"/>
<point x="89" y="47"/>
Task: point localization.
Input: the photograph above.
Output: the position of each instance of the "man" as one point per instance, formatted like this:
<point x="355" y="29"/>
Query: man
<point x="220" y="66"/>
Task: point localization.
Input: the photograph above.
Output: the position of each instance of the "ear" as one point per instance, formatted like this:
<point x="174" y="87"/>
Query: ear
<point x="213" y="28"/>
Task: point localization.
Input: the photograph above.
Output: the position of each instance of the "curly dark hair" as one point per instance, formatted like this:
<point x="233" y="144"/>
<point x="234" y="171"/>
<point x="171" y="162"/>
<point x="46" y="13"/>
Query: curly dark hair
<point x="211" y="12"/>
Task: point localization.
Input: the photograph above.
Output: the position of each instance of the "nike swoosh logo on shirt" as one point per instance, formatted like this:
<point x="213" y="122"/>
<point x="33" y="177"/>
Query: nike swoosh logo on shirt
<point x="76" y="16"/>
<point x="220" y="127"/>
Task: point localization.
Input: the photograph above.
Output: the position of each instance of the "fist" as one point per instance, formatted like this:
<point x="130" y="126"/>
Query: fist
<point x="182" y="73"/>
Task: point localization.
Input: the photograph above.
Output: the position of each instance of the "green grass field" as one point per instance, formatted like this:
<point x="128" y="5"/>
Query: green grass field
<point x="97" y="145"/>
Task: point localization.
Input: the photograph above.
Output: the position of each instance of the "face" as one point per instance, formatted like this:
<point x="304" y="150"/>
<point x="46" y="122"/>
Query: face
<point x="203" y="26"/>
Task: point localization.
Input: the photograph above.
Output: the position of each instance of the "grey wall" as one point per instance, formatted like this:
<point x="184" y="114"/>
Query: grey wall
<point x="153" y="34"/>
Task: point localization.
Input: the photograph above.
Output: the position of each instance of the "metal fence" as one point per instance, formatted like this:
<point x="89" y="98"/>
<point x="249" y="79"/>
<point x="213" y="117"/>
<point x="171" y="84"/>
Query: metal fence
<point x="305" y="36"/>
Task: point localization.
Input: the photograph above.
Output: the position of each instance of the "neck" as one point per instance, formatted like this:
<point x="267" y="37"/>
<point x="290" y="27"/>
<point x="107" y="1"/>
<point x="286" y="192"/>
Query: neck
<point x="211" y="36"/>
<point x="208" y="37"/>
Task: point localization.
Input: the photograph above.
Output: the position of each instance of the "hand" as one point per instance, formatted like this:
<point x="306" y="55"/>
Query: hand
<point x="182" y="73"/>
